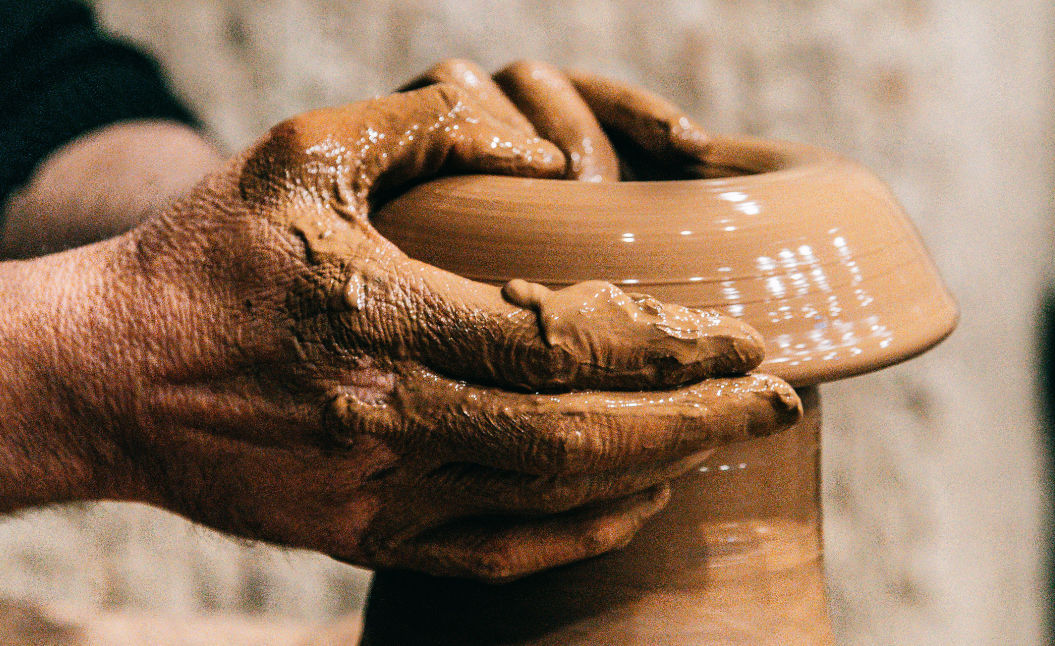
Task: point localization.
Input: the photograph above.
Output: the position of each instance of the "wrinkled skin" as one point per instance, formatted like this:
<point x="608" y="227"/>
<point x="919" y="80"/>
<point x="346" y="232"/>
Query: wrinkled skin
<point x="287" y="374"/>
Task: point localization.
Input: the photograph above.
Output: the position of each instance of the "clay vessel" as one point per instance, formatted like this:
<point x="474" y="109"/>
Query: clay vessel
<point x="807" y="246"/>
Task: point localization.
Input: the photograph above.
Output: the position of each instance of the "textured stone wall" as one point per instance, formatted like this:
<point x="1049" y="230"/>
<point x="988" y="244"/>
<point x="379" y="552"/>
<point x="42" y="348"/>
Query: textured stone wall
<point x="934" y="477"/>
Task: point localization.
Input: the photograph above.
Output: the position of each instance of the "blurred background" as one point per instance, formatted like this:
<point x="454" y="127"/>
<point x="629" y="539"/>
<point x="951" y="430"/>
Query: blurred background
<point x="935" y="472"/>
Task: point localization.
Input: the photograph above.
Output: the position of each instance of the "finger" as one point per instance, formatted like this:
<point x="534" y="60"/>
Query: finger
<point x="573" y="433"/>
<point x="502" y="549"/>
<point x="470" y="77"/>
<point x="449" y="132"/>
<point x="559" y="114"/>
<point x="650" y="121"/>
<point x="350" y="156"/>
<point x="473" y="489"/>
<point x="527" y="337"/>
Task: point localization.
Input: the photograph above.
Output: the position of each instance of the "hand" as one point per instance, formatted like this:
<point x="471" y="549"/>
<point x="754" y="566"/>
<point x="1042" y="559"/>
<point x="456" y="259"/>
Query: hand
<point x="280" y="371"/>
<point x="608" y="130"/>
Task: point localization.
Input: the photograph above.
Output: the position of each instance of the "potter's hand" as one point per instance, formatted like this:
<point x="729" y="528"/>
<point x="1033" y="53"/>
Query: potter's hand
<point x="606" y="129"/>
<point x="277" y="369"/>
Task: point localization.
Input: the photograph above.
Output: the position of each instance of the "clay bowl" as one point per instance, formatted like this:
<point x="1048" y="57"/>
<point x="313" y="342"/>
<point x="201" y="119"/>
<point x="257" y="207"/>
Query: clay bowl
<point x="810" y="248"/>
<point x="805" y="245"/>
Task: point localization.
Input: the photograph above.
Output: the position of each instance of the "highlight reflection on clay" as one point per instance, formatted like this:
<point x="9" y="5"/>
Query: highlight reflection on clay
<point x="785" y="249"/>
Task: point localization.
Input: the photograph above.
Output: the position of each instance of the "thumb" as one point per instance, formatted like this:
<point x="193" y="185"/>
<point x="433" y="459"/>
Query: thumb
<point x="527" y="337"/>
<point x="356" y="154"/>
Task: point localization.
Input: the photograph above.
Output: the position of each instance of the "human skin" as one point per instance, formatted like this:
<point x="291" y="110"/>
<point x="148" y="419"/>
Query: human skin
<point x="102" y="184"/>
<point x="257" y="358"/>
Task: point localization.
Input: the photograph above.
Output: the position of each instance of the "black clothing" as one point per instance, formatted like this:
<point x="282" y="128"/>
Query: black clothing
<point x="61" y="77"/>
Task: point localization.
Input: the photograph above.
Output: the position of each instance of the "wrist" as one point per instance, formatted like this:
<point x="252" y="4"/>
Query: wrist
<point x="64" y="353"/>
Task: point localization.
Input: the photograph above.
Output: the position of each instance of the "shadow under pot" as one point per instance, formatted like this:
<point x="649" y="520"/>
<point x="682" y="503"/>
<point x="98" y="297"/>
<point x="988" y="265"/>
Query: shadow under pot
<point x="809" y="248"/>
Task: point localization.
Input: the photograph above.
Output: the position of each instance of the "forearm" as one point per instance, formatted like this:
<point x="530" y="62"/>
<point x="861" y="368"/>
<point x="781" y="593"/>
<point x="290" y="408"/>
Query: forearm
<point x="58" y="440"/>
<point x="102" y="184"/>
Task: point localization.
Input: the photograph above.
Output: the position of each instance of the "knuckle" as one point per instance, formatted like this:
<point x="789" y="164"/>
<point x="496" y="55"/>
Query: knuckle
<point x="557" y="500"/>
<point x="277" y="150"/>
<point x="565" y="449"/>
<point x="526" y="66"/>
<point x="551" y="368"/>
<point x="356" y="412"/>
<point x="451" y="96"/>
<point x="291" y="151"/>
<point x="492" y="566"/>
<point x="451" y="65"/>
<point x="605" y="535"/>
<point x="556" y="450"/>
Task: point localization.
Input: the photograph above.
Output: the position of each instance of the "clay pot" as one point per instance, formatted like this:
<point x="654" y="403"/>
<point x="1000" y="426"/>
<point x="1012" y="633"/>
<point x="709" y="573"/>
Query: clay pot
<point x="811" y="249"/>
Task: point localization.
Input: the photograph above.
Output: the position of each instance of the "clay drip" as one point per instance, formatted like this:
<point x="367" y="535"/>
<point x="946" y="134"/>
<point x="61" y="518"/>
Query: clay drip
<point x="595" y="319"/>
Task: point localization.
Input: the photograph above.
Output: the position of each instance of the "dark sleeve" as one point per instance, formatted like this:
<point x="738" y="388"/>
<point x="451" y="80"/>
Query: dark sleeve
<point x="60" y="77"/>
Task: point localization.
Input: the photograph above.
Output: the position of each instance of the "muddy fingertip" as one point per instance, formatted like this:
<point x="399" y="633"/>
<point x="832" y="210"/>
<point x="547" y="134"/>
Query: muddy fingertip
<point x="782" y="399"/>
<point x="787" y="401"/>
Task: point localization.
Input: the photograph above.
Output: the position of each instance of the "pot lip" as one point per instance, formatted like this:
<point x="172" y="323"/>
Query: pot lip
<point x="920" y="323"/>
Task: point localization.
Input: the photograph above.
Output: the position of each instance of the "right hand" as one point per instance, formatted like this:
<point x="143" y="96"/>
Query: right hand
<point x="284" y="373"/>
<point x="607" y="129"/>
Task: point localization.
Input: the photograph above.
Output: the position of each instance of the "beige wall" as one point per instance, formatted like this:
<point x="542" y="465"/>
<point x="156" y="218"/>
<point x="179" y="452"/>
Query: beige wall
<point x="933" y="479"/>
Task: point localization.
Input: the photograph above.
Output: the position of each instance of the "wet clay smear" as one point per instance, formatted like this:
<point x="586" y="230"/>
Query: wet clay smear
<point x="597" y="322"/>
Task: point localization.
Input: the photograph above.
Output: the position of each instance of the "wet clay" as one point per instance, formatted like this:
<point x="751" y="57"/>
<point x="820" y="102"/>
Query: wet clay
<point x="463" y="432"/>
<point x="593" y="318"/>
<point x="806" y="246"/>
<point x="654" y="124"/>
<point x="559" y="114"/>
<point x="472" y="78"/>
<point x="348" y="175"/>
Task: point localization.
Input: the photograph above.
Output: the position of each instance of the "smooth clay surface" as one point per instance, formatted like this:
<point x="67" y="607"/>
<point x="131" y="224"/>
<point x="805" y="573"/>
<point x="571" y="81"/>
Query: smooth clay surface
<point x="808" y="247"/>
